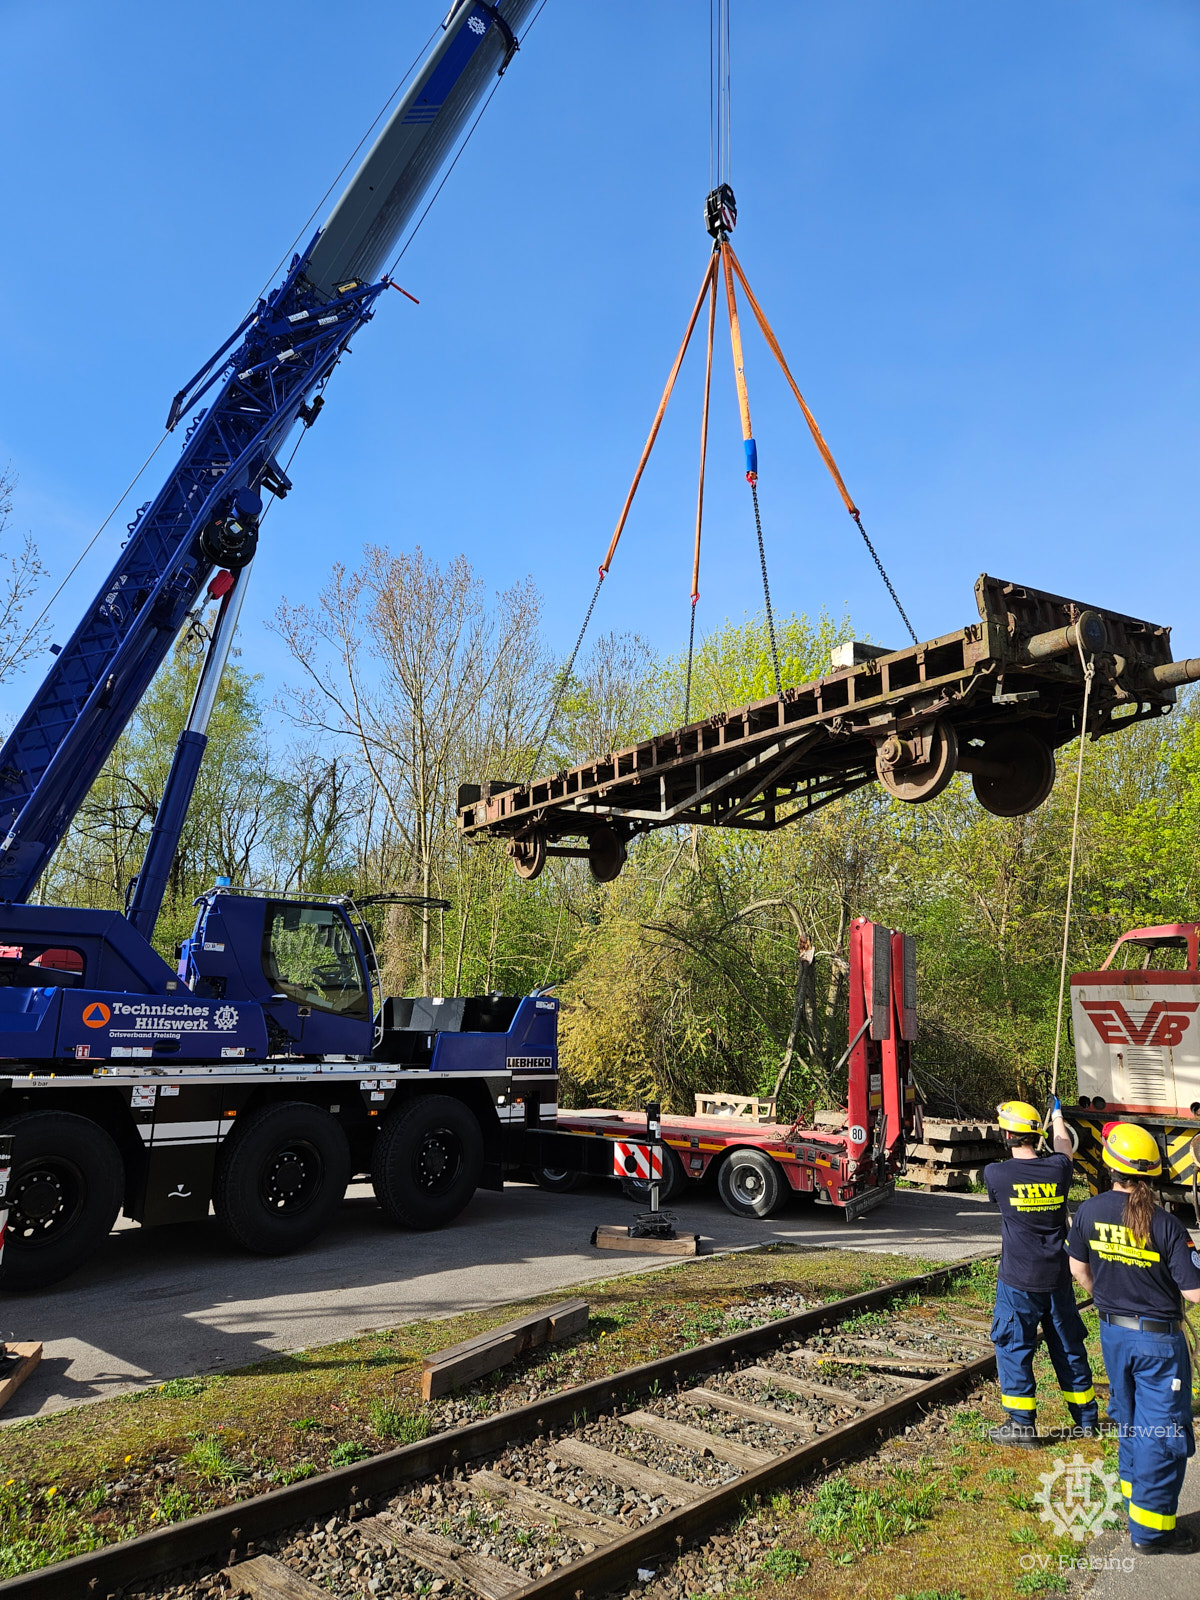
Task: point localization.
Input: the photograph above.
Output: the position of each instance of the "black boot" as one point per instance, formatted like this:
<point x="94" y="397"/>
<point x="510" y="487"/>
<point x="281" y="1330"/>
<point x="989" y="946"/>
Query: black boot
<point x="1022" y="1434"/>
<point x="1179" y="1542"/>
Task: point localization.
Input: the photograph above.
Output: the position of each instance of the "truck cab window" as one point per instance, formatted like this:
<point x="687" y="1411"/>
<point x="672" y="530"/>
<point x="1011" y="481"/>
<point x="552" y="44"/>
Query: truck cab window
<point x="309" y="954"/>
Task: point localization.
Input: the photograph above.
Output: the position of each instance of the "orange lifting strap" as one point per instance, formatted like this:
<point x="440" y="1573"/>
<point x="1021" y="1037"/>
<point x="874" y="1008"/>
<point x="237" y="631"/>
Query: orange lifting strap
<point x="709" y="279"/>
<point x="725" y="256"/>
<point x="724" y="261"/>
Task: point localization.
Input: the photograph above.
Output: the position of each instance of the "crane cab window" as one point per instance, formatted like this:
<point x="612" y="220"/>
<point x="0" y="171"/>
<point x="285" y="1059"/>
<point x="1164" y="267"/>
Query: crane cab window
<point x="33" y="966"/>
<point x="310" y="955"/>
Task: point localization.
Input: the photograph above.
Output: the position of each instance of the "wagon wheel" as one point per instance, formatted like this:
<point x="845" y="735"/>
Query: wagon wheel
<point x="528" y="853"/>
<point x="918" y="767"/>
<point x="1012" y="772"/>
<point x="606" y="854"/>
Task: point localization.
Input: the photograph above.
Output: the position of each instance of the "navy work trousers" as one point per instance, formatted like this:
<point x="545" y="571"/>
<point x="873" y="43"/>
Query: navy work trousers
<point x="1150" y="1400"/>
<point x="1020" y="1313"/>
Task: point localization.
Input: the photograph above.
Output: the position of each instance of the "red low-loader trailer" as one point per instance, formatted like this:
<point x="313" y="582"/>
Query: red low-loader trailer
<point x="757" y="1165"/>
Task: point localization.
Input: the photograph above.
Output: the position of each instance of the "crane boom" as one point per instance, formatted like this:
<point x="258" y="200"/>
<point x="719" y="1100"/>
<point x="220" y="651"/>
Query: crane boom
<point x="205" y="516"/>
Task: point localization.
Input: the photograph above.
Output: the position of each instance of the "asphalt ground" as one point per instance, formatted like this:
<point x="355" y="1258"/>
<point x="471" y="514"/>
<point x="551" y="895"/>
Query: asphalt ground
<point x="163" y="1302"/>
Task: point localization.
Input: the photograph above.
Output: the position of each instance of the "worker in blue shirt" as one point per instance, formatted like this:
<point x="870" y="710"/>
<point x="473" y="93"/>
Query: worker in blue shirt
<point x="1140" y="1266"/>
<point x="1034" y="1291"/>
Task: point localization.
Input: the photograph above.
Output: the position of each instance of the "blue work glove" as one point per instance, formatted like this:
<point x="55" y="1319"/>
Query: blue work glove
<point x="1055" y="1107"/>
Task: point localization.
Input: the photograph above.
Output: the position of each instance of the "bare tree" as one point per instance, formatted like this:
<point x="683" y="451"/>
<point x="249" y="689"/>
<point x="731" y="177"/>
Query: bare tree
<point x="609" y="704"/>
<point x="428" y="681"/>
<point x="21" y="571"/>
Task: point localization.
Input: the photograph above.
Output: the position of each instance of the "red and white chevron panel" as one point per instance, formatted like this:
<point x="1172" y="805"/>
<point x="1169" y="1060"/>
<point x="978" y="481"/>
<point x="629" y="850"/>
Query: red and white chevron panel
<point x="637" y="1161"/>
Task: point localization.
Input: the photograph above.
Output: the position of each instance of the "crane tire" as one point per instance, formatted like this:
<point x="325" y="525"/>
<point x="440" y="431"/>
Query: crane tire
<point x="670" y="1185"/>
<point x="427" y="1162"/>
<point x="750" y="1184"/>
<point x="66" y="1187"/>
<point x="281" y="1177"/>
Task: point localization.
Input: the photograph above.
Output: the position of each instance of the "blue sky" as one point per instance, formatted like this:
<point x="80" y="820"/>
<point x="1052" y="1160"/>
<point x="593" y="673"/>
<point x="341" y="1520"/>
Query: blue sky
<point x="974" y="226"/>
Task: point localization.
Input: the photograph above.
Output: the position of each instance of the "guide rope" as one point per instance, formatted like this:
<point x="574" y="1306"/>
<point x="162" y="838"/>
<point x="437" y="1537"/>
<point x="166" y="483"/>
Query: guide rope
<point x="1089" y="673"/>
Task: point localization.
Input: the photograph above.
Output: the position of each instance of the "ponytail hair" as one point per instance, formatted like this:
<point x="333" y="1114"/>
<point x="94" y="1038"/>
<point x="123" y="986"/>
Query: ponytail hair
<point x="1140" y="1206"/>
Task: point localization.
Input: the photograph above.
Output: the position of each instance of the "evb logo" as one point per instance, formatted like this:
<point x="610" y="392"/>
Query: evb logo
<point x="1165" y="1023"/>
<point x="96" y="1015"/>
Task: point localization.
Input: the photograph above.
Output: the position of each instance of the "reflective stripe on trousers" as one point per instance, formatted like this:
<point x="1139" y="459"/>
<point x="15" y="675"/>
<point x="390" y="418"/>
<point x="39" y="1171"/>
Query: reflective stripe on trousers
<point x="1020" y="1314"/>
<point x="1155" y="1422"/>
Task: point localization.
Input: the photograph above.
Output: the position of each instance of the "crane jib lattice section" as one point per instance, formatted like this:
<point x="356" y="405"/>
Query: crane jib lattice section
<point x="55" y="753"/>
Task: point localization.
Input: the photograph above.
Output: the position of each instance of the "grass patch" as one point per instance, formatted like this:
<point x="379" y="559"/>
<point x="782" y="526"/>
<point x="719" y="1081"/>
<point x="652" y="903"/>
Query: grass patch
<point x="191" y="1444"/>
<point x="208" y="1460"/>
<point x="858" y="1518"/>
<point x="785" y="1564"/>
<point x="349" y="1450"/>
<point x="968" y="1538"/>
<point x="398" y="1423"/>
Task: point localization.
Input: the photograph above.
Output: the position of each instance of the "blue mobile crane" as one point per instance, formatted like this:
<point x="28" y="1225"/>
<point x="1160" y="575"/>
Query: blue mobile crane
<point x="268" y="1069"/>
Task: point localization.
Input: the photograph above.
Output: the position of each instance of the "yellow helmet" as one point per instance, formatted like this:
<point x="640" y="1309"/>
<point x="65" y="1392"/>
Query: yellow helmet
<point x="1132" y="1151"/>
<point x="1018" y="1116"/>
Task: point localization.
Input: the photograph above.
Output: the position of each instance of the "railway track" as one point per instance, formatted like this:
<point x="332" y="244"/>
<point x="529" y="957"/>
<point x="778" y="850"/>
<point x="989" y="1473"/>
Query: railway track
<point x="571" y="1495"/>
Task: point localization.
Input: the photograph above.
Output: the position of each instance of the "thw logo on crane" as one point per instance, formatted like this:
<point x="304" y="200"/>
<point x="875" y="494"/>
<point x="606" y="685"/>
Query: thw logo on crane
<point x="1165" y="1023"/>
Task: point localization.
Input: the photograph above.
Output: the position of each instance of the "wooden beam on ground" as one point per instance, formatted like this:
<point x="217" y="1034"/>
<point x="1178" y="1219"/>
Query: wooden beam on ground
<point x="631" y="1474"/>
<point x="710" y="1444"/>
<point x="11" y="1379"/>
<point x="893" y="1366"/>
<point x="611" y="1237"/>
<point x="816" y="1391"/>
<point x="443" y="1556"/>
<point x="264" y="1578"/>
<point x="544" y="1508"/>
<point x="746" y="1409"/>
<point x="462" y="1363"/>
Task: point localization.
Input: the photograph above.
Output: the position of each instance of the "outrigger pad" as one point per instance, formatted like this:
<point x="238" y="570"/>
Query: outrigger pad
<point x="994" y="699"/>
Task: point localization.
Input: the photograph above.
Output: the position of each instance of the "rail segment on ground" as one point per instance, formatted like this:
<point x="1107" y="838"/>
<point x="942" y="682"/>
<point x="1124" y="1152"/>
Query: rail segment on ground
<point x="569" y="1496"/>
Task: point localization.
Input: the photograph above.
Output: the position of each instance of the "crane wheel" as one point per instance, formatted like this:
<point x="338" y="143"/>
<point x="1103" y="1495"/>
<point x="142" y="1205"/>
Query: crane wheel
<point x="606" y="854"/>
<point x="66" y="1187"/>
<point x="427" y="1162"/>
<point x="528" y="853"/>
<point x="750" y="1184"/>
<point x="281" y="1176"/>
<point x="1028" y="779"/>
<point x="916" y="768"/>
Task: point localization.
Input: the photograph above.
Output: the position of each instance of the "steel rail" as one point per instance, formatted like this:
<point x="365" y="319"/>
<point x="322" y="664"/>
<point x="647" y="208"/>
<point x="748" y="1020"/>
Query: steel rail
<point x="214" y="1535"/>
<point x="614" y="1563"/>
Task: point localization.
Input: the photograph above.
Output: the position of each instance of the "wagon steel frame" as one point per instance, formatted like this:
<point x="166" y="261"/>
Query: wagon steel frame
<point x="994" y="699"/>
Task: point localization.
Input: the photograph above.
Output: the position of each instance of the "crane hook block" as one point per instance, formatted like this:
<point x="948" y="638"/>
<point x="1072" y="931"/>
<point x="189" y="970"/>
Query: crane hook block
<point x="720" y="212"/>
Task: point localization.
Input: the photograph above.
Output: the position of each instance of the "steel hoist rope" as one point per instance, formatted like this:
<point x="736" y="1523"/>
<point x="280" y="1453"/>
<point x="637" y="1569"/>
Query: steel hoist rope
<point x="707" y="287"/>
<point x="712" y="323"/>
<point x="564" y="676"/>
<point x="818" y="438"/>
<point x="749" y="445"/>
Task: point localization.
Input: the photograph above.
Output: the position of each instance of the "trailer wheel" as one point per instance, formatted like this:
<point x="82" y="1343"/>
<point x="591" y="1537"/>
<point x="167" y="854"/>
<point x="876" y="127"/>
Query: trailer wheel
<point x="673" y="1180"/>
<point x="749" y="1184"/>
<point x="427" y="1162"/>
<point x="557" y="1180"/>
<point x="281" y="1177"/>
<point x="63" y="1197"/>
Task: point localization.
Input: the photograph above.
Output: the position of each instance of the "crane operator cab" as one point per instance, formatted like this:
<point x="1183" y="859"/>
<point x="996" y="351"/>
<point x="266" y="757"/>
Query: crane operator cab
<point x="309" y="964"/>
